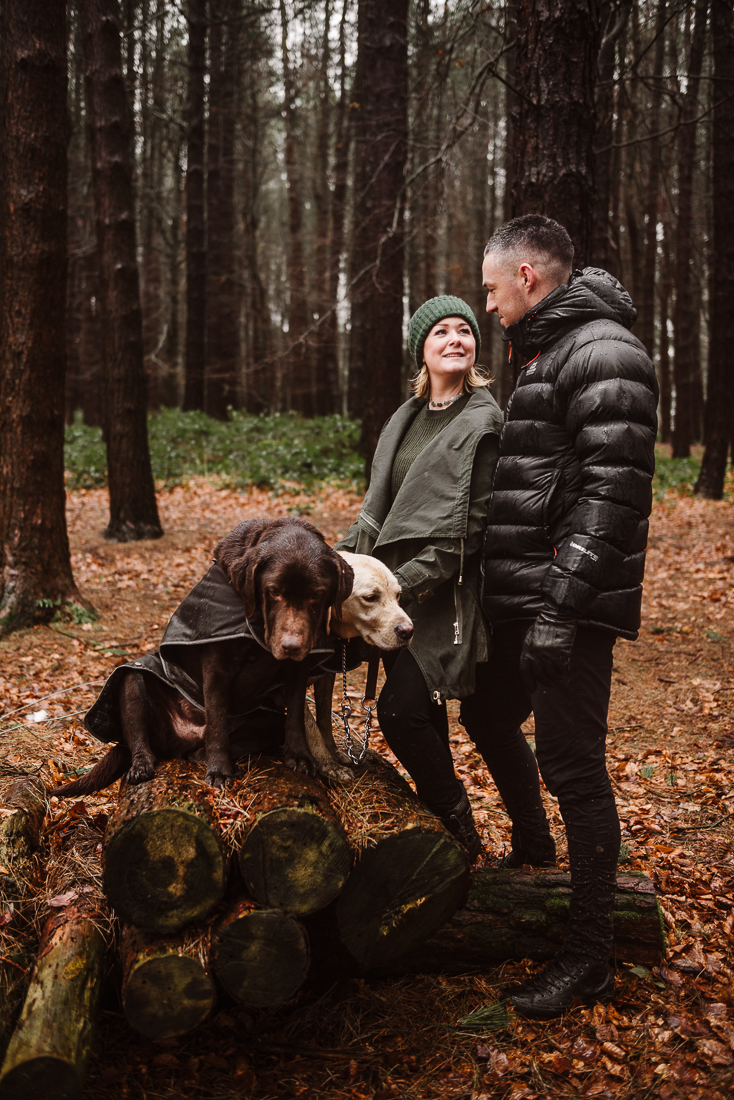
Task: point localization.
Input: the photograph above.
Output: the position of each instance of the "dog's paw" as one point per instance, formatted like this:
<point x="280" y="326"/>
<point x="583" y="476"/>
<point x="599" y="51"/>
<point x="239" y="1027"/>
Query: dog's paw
<point x="300" y="764"/>
<point x="219" y="779"/>
<point x="337" y="772"/>
<point x="140" y="772"/>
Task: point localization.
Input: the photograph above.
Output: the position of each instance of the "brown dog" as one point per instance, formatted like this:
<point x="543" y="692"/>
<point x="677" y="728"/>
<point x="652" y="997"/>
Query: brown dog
<point x="213" y="669"/>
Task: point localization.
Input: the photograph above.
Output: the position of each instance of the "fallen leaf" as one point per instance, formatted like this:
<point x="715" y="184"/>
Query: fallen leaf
<point x="716" y="1051"/>
<point x="62" y="899"/>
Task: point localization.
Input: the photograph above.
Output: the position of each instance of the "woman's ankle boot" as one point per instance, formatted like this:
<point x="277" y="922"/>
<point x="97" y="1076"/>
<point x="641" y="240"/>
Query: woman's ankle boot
<point x="460" y="823"/>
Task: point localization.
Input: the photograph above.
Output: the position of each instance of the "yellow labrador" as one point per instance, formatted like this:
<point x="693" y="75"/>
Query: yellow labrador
<point x="371" y="612"/>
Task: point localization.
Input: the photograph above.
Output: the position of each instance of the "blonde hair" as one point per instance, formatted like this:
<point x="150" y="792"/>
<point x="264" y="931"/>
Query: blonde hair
<point x="474" y="379"/>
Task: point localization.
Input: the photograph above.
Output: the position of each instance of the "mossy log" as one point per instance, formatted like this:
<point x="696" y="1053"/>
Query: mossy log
<point x="164" y="862"/>
<point x="49" y="1050"/>
<point x="291" y="849"/>
<point x="23" y="813"/>
<point x="410" y="875"/>
<point x="167" y="989"/>
<point x="516" y="914"/>
<point x="260" y="956"/>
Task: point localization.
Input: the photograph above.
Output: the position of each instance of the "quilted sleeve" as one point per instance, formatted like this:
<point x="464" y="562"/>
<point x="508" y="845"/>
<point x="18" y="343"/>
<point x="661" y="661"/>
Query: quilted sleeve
<point x="607" y="394"/>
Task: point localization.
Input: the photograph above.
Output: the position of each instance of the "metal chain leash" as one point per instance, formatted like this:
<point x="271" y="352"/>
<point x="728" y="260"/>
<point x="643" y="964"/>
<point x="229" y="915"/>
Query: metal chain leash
<point x="346" y="713"/>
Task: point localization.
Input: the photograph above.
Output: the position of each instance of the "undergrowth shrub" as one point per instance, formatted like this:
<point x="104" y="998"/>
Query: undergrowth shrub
<point x="244" y="450"/>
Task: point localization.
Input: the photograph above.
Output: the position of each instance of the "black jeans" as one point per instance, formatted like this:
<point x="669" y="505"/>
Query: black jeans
<point x="570" y="742"/>
<point x="417" y="730"/>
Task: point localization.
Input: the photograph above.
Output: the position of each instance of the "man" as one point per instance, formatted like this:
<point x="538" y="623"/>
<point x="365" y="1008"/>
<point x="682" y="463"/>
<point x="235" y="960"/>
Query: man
<point x="563" y="562"/>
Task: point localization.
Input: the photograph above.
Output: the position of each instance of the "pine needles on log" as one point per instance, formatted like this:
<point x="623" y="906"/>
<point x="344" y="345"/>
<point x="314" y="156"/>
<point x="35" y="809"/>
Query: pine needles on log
<point x="292" y="854"/>
<point x="23" y="812"/>
<point x="49" y="1050"/>
<point x="164" y="863"/>
<point x="166" y="987"/>
<point x="260" y="956"/>
<point x="410" y="875"/>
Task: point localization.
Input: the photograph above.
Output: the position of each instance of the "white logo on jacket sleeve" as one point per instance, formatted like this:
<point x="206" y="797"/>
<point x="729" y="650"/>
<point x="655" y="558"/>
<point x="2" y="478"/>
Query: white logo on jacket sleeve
<point x="585" y="551"/>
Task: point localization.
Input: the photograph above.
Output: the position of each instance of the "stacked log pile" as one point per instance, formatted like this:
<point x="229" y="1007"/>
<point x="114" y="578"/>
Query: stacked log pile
<point x="247" y="891"/>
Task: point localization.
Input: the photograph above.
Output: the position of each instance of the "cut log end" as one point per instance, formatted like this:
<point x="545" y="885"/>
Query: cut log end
<point x="168" y="996"/>
<point x="401" y="891"/>
<point x="261" y="957"/>
<point x="42" y="1076"/>
<point x="164" y="869"/>
<point x="299" y="885"/>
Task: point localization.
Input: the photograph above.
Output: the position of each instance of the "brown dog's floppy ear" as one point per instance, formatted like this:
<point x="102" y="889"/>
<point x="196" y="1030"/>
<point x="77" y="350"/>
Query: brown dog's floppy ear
<point x="239" y="554"/>
<point x="344" y="583"/>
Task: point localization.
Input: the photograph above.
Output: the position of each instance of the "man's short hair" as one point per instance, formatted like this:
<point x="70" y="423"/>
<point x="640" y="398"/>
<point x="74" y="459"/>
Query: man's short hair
<point x="536" y="237"/>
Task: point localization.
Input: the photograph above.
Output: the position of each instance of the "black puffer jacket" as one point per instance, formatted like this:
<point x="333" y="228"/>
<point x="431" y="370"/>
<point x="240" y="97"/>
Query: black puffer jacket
<point x="572" y="492"/>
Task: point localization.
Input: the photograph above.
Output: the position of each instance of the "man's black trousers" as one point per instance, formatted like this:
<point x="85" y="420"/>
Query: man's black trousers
<point x="570" y="737"/>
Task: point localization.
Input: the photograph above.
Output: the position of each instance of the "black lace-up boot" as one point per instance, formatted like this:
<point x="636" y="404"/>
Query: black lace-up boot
<point x="564" y="982"/>
<point x="460" y="823"/>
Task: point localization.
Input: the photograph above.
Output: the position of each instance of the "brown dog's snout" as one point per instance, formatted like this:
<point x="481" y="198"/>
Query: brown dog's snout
<point x="292" y="644"/>
<point x="404" y="632"/>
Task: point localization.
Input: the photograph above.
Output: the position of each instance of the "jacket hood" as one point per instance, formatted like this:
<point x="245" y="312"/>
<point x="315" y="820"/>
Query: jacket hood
<point x="590" y="295"/>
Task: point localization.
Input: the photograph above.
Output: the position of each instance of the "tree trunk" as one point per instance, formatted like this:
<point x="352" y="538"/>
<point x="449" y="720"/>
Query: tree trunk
<point x="35" y="568"/>
<point x="381" y="128"/>
<point x="222" y="328"/>
<point x="133" y="508"/>
<point x="324" y="386"/>
<point x="195" y="356"/>
<point x="167" y="990"/>
<point x="685" y="321"/>
<point x="720" y="394"/>
<point x="329" y="331"/>
<point x="615" y="16"/>
<point x="260" y="387"/>
<point x="523" y="915"/>
<point x="646" y="320"/>
<point x="260" y="956"/>
<point x="664" y="365"/>
<point x="410" y="875"/>
<point x="298" y="360"/>
<point x="293" y="854"/>
<point x="152" y="156"/>
<point x="164" y="862"/>
<point x="554" y="125"/>
<point x="20" y="835"/>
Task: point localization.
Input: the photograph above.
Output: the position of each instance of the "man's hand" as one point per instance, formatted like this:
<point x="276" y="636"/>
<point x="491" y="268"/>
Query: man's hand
<point x="546" y="653"/>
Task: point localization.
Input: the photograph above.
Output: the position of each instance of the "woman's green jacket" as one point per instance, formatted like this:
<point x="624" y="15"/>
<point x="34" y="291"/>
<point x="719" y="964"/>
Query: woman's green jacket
<point x="431" y="536"/>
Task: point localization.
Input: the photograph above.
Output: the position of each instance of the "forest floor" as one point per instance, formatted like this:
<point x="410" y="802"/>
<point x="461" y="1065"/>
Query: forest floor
<point x="669" y="1032"/>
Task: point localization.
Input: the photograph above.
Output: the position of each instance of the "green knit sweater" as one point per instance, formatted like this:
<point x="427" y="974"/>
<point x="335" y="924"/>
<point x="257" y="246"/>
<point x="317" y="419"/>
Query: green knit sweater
<point x="423" y="429"/>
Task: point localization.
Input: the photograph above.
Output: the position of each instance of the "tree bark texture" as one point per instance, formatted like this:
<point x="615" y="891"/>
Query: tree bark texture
<point x="686" y="362"/>
<point x="49" y="1050"/>
<point x="164" y="862"/>
<point x="410" y="875"/>
<point x="195" y="344"/>
<point x="222" y="329"/>
<point x="167" y="989"/>
<point x="292" y="854"/>
<point x="133" y="508"/>
<point x="260" y="956"/>
<point x="718" y="433"/>
<point x="381" y="92"/>
<point x="523" y="915"/>
<point x="558" y="42"/>
<point x="260" y="383"/>
<point x="34" y="546"/>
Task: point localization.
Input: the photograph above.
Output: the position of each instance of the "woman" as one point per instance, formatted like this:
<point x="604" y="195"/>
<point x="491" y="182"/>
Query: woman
<point x="423" y="516"/>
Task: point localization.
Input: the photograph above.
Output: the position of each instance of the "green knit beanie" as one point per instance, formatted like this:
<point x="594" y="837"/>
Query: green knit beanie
<point x="433" y="311"/>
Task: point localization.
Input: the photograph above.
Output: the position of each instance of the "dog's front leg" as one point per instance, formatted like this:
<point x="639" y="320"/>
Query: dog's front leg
<point x="296" y="752"/>
<point x="134" y="719"/>
<point x="323" y="693"/>
<point x="216" y="682"/>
